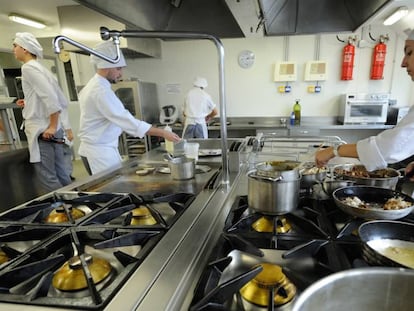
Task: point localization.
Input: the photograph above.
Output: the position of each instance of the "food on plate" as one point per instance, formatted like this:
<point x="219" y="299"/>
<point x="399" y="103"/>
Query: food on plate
<point x="390" y="204"/>
<point x="361" y="171"/>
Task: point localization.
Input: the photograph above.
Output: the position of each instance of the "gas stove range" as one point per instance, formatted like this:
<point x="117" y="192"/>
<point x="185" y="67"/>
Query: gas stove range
<point x="260" y="256"/>
<point x="54" y="257"/>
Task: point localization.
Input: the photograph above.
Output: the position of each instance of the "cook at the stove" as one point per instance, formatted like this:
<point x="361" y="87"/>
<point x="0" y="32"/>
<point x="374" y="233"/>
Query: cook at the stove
<point x="103" y="117"/>
<point x="198" y="109"/>
<point x="388" y="147"/>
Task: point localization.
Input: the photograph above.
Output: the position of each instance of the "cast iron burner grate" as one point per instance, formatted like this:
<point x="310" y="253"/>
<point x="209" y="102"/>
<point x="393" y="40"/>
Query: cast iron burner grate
<point x="29" y="281"/>
<point x="163" y="209"/>
<point x="35" y="212"/>
<point x="320" y="233"/>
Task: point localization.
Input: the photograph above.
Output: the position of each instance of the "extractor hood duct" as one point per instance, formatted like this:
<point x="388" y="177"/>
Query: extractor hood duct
<point x="202" y="16"/>
<point x="240" y="18"/>
<point x="291" y="17"/>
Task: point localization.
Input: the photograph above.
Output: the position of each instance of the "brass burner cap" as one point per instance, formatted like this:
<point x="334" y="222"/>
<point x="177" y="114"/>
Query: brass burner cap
<point x="265" y="224"/>
<point x="142" y="216"/>
<point x="271" y="277"/>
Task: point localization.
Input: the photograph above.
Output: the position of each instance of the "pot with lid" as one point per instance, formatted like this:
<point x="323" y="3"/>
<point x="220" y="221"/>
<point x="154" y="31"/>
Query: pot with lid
<point x="273" y="189"/>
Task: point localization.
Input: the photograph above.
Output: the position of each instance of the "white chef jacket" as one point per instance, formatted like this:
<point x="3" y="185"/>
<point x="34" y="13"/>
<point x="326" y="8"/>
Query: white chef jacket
<point x="103" y="117"/>
<point x="197" y="105"/>
<point x="390" y="146"/>
<point x="43" y="97"/>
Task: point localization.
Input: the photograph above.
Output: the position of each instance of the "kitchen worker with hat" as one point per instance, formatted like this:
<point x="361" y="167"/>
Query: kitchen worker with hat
<point x="43" y="102"/>
<point x="390" y="146"/>
<point x="103" y="117"/>
<point x="198" y="109"/>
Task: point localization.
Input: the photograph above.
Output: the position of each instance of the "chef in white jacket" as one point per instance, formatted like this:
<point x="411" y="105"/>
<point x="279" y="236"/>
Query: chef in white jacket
<point x="103" y="117"/>
<point x="390" y="146"/>
<point x="198" y="108"/>
<point x="44" y="100"/>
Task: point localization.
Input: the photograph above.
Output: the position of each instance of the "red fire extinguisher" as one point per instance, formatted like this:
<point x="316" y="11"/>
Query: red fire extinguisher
<point x="378" y="60"/>
<point x="348" y="61"/>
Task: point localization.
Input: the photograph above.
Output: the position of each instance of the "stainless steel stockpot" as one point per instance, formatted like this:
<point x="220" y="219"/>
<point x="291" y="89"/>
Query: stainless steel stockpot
<point x="272" y="195"/>
<point x="362" y="289"/>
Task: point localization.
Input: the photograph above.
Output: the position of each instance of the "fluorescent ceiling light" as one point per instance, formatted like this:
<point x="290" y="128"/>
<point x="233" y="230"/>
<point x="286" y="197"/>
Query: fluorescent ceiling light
<point x="396" y="16"/>
<point x="26" y="21"/>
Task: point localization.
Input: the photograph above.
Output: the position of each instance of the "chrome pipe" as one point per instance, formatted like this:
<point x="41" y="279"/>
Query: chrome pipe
<point x="57" y="42"/>
<point x="106" y="34"/>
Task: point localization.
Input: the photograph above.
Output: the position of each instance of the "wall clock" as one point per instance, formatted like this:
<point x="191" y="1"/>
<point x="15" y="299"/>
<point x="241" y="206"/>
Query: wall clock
<point x="246" y="59"/>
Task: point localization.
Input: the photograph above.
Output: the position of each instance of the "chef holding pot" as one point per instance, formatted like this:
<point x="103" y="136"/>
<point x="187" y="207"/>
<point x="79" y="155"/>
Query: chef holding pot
<point x="198" y="109"/>
<point x="390" y="146"/>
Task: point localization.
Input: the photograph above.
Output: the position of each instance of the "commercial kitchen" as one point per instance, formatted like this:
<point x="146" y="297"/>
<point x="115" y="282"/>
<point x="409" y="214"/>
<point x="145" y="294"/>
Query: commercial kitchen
<point x="212" y="241"/>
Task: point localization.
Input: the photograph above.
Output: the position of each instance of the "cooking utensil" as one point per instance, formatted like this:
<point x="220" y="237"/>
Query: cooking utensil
<point x="375" y="197"/>
<point x="286" y="170"/>
<point x="273" y="196"/>
<point x="361" y="289"/>
<point x="182" y="168"/>
<point x="311" y="174"/>
<point x="384" y="178"/>
<point x="388" y="243"/>
<point x="330" y="185"/>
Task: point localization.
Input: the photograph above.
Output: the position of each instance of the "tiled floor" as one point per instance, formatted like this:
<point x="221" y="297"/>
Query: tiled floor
<point x="79" y="171"/>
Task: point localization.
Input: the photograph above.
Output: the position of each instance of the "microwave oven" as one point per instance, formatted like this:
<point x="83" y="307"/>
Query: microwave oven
<point x="360" y="108"/>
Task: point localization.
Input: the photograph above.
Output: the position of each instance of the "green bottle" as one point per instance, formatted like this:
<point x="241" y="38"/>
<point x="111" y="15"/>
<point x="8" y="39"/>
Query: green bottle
<point x="296" y="111"/>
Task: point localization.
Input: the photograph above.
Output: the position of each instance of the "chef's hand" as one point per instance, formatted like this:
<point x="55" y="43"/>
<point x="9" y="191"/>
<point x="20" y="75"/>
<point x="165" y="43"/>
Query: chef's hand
<point x="171" y="136"/>
<point x="409" y="171"/>
<point x="49" y="133"/>
<point x="20" y="103"/>
<point x="323" y="156"/>
<point x="69" y="134"/>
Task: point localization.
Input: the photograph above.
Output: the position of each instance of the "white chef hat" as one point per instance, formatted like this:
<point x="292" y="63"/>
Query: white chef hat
<point x="29" y="42"/>
<point x="107" y="48"/>
<point x="200" y="82"/>
<point x="411" y="35"/>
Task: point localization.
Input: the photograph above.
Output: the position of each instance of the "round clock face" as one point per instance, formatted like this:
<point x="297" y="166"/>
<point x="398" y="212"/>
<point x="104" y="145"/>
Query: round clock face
<point x="64" y="56"/>
<point x="246" y="59"/>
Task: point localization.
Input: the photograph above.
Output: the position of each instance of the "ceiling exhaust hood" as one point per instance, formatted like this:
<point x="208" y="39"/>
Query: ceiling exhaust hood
<point x="293" y="17"/>
<point x="240" y="18"/>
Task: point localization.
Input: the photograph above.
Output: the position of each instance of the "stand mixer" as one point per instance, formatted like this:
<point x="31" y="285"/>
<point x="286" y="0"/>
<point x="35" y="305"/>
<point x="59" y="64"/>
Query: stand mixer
<point x="168" y="115"/>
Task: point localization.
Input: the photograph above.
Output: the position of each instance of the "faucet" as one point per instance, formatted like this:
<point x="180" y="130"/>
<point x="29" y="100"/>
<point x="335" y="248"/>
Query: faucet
<point x="106" y="34"/>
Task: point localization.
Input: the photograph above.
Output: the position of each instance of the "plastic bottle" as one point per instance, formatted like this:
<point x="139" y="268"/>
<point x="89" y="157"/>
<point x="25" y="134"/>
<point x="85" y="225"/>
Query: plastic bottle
<point x="296" y="110"/>
<point x="169" y="145"/>
<point x="292" y="118"/>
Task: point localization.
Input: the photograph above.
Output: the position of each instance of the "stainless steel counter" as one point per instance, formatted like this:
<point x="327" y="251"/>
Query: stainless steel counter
<point x="17" y="178"/>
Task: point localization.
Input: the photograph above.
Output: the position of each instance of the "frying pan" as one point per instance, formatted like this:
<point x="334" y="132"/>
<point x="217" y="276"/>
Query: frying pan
<point x="379" y="236"/>
<point x="376" y="197"/>
<point x="384" y="178"/>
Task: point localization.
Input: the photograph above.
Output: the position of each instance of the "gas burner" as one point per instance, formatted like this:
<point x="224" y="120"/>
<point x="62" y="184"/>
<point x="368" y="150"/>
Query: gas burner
<point x="266" y="224"/>
<point x="150" y="212"/>
<point x="269" y="288"/>
<point x="65" y="209"/>
<point x="77" y="266"/>
<point x="18" y="239"/>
